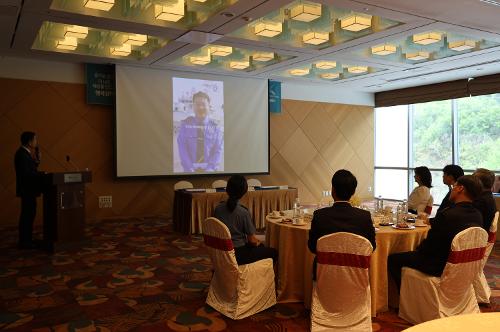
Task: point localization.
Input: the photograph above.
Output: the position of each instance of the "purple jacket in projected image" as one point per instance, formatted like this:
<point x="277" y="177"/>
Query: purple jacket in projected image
<point x="187" y="139"/>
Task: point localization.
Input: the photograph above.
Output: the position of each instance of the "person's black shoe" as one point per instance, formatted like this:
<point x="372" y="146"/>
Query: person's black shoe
<point x="27" y="245"/>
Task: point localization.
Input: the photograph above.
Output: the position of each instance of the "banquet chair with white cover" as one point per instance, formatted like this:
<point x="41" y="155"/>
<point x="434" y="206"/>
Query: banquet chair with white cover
<point x="424" y="297"/>
<point x="236" y="291"/>
<point x="428" y="207"/>
<point x="219" y="184"/>
<point x="254" y="183"/>
<point x="183" y="185"/>
<point x="341" y="294"/>
<point x="481" y="287"/>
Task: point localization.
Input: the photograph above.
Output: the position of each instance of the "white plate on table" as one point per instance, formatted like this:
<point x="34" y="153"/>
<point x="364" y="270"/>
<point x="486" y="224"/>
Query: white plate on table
<point x="301" y="224"/>
<point x="404" y="228"/>
<point x="275" y="217"/>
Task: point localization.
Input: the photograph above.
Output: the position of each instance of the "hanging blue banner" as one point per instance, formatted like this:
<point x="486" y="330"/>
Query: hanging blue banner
<point x="100" y="81"/>
<point x="274" y="95"/>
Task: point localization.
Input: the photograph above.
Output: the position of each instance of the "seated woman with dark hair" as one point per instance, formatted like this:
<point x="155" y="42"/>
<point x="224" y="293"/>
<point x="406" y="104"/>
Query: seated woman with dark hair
<point x="236" y="217"/>
<point x="421" y="195"/>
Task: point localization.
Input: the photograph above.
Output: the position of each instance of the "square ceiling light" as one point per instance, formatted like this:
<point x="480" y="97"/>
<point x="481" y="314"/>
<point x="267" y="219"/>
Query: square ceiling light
<point x="426" y="38"/>
<point x="385" y="49"/>
<point x="325" y="64"/>
<point x="173" y="12"/>
<point x="330" y="76"/>
<point x="299" y="72"/>
<point x="76" y="31"/>
<point x="221" y="50"/>
<point x="200" y="60"/>
<point x="462" y="45"/>
<point x="99" y="4"/>
<point x="123" y="50"/>
<point x="68" y="43"/>
<point x="239" y="64"/>
<point x="356" y="22"/>
<point x="136" y="39"/>
<point x="315" y="38"/>
<point x="306" y="12"/>
<point x="417" y="56"/>
<point x="263" y="56"/>
<point x="357" y="69"/>
<point x="268" y="29"/>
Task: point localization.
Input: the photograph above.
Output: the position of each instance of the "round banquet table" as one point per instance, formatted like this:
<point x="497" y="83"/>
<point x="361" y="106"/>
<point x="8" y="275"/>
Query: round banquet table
<point x="295" y="261"/>
<point x="483" y="322"/>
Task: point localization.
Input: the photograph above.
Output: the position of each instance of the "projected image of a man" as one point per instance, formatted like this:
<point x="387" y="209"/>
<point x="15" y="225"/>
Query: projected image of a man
<point x="200" y="139"/>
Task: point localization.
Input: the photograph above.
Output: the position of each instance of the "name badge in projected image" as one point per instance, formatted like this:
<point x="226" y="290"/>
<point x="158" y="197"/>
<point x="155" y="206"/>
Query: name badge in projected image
<point x="198" y="125"/>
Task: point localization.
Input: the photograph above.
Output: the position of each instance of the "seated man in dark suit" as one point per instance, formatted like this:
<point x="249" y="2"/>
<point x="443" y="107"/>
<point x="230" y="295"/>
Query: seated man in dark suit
<point x="432" y="254"/>
<point x="450" y="175"/>
<point x="341" y="217"/>
<point x="485" y="203"/>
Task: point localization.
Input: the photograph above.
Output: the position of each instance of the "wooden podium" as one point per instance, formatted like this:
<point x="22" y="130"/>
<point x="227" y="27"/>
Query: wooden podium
<point x="64" y="209"/>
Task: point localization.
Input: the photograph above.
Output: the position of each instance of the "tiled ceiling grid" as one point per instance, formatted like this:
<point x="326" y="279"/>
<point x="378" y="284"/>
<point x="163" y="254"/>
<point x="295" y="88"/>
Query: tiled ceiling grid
<point x="236" y="24"/>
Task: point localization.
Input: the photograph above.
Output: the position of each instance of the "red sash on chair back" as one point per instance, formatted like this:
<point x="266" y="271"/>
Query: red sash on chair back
<point x="467" y="255"/>
<point x="343" y="259"/>
<point x="428" y="209"/>
<point x="491" y="237"/>
<point x="216" y="243"/>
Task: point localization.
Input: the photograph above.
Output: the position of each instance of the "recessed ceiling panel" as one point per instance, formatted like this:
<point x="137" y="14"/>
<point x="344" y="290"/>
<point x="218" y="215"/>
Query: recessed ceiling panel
<point x="307" y="24"/>
<point x="230" y="58"/>
<point x="180" y="14"/>
<point x="67" y="38"/>
<point x="425" y="46"/>
<point x="328" y="70"/>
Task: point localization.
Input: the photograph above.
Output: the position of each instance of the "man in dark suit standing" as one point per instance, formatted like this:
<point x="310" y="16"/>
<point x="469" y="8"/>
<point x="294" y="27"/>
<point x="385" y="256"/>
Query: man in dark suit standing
<point x="28" y="186"/>
<point x="432" y="254"/>
<point x="485" y="202"/>
<point x="341" y="217"/>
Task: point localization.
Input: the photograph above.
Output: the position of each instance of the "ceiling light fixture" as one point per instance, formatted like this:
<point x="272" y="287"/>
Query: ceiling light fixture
<point x="306" y="12"/>
<point x="136" y="39"/>
<point x="123" y="50"/>
<point x="330" y="76"/>
<point x="357" y="69"/>
<point x="426" y="38"/>
<point x="99" y="4"/>
<point x="356" y="22"/>
<point x="200" y="60"/>
<point x="173" y="12"/>
<point x="315" y="38"/>
<point x="268" y="29"/>
<point x="462" y="45"/>
<point x="68" y="43"/>
<point x="76" y="31"/>
<point x="263" y="56"/>
<point x="221" y="50"/>
<point x="239" y="64"/>
<point x="417" y="56"/>
<point x="299" y="72"/>
<point x="325" y="64"/>
<point x="383" y="49"/>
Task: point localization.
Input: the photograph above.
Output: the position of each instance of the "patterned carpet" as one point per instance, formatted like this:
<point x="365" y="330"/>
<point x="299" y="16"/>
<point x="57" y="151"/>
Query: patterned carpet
<point x="138" y="275"/>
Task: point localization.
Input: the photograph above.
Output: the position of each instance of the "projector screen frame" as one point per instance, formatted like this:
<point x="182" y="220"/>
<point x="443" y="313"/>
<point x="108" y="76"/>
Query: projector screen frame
<point x="186" y="175"/>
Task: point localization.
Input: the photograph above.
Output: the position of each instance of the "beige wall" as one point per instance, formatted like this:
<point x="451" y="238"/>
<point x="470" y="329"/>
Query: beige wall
<point x="308" y="141"/>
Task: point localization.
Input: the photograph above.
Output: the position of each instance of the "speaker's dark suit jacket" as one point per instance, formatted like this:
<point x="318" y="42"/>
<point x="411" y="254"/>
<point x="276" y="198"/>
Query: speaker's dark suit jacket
<point x="341" y="217"/>
<point x="27" y="176"/>
<point x="485" y="203"/>
<point x="434" y="250"/>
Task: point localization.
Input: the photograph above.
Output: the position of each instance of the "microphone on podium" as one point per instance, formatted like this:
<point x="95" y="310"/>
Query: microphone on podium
<point x="72" y="164"/>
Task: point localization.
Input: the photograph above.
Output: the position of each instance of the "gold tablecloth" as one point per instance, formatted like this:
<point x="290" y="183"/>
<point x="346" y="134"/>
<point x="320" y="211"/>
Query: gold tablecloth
<point x="191" y="208"/>
<point x="484" y="322"/>
<point x="295" y="260"/>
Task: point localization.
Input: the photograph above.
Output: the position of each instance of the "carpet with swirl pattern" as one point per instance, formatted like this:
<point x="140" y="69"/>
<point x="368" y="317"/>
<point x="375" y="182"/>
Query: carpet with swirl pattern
<point x="137" y="274"/>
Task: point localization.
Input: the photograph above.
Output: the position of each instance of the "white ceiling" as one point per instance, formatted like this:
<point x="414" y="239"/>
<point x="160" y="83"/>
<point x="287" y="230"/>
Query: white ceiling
<point x="20" y="21"/>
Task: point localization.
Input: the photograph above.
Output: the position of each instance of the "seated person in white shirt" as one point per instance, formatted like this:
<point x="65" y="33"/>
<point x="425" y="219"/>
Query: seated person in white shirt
<point x="420" y="197"/>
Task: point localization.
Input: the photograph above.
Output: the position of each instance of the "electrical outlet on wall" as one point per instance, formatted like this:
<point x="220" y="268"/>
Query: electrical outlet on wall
<point x="105" y="202"/>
